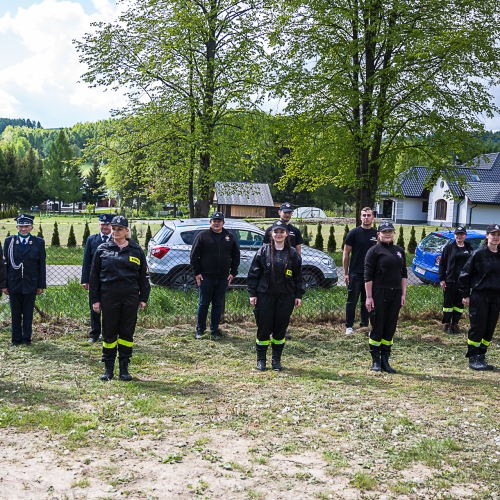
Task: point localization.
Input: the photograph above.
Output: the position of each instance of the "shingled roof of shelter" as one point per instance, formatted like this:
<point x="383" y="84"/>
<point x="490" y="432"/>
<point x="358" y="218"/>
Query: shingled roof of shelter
<point x="243" y="193"/>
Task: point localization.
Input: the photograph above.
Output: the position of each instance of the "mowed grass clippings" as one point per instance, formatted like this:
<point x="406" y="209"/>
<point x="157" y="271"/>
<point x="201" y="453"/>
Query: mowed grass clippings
<point x="198" y="419"/>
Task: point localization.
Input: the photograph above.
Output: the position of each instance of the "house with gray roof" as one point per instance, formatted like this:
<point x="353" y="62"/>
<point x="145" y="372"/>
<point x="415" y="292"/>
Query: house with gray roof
<point x="244" y="200"/>
<point x="476" y="204"/>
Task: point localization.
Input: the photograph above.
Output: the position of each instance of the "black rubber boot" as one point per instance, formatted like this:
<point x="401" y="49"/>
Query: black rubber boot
<point x="476" y="364"/>
<point x="482" y="359"/>
<point x="109" y="367"/>
<point x="376" y="361"/>
<point x="261" y="357"/>
<point x="199" y="334"/>
<point x="447" y="328"/>
<point x="124" y="374"/>
<point x="384" y="362"/>
<point x="276" y="359"/>
<point x="455" y="329"/>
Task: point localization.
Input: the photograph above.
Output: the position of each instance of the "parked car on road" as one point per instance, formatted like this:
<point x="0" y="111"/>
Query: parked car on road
<point x="425" y="265"/>
<point x="169" y="250"/>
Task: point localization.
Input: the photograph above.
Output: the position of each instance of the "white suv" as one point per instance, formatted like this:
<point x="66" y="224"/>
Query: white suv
<point x="170" y="248"/>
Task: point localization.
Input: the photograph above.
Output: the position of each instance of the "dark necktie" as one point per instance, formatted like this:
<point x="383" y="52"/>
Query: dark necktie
<point x="104" y="239"/>
<point x="23" y="242"/>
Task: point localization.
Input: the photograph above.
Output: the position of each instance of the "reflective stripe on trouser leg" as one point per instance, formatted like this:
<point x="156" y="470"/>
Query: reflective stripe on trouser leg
<point x="273" y="316"/>
<point x="262" y="342"/>
<point x="447" y="309"/>
<point x="278" y="342"/>
<point x="456" y="309"/>
<point x="483" y="314"/>
<point x="485" y="342"/>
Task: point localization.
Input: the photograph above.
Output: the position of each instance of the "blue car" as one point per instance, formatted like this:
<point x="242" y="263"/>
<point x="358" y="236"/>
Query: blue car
<point x="425" y="265"/>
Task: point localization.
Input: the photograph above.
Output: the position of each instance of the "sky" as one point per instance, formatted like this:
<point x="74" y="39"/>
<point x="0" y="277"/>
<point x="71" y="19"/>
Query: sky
<point x="39" y="67"/>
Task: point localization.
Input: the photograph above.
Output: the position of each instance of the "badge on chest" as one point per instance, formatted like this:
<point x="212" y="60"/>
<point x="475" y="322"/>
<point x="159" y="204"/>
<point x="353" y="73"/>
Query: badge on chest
<point x="135" y="260"/>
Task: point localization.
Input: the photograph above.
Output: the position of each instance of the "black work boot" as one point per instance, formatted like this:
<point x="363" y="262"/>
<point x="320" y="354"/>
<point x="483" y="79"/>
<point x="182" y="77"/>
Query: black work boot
<point x="124" y="374"/>
<point x="482" y="359"/>
<point x="455" y="329"/>
<point x="384" y="362"/>
<point x="216" y="334"/>
<point x="261" y="357"/>
<point x="376" y="361"/>
<point x="475" y="364"/>
<point x="199" y="334"/>
<point x="109" y="367"/>
<point x="447" y="328"/>
<point x="276" y="359"/>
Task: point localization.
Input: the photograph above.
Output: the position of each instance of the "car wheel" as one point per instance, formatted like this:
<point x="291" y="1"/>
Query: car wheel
<point x="310" y="278"/>
<point x="183" y="280"/>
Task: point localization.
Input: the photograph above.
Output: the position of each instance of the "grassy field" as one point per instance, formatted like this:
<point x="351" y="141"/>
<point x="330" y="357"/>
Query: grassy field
<point x="198" y="421"/>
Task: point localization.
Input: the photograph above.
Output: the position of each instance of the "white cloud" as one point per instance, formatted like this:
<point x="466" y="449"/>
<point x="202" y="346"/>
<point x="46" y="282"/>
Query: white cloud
<point x="8" y="104"/>
<point x="50" y="66"/>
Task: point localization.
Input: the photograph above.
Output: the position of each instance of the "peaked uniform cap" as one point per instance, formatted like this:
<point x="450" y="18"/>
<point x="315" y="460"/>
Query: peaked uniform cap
<point x="106" y="218"/>
<point x="286" y="207"/>
<point x="217" y="215"/>
<point x="279" y="224"/>
<point x="25" y="220"/>
<point x="460" y="229"/>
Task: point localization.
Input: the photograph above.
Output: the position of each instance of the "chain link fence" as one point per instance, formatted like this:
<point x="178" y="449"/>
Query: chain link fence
<point x="174" y="292"/>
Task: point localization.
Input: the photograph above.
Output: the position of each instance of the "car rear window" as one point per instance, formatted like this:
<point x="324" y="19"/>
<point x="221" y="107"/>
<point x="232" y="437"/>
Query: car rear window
<point x="433" y="243"/>
<point x="189" y="236"/>
<point x="475" y="242"/>
<point x="162" y="235"/>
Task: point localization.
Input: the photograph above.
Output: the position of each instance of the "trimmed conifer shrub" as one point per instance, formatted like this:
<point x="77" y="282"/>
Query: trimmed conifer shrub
<point x="55" y="242"/>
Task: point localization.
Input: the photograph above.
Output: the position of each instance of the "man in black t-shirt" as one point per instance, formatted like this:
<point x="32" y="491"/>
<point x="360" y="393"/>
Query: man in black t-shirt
<point x="358" y="241"/>
<point x="294" y="235"/>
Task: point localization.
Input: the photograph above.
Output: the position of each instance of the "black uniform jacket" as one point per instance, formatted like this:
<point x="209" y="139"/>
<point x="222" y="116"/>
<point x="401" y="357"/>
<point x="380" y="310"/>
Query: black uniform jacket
<point x="121" y="270"/>
<point x="214" y="259"/>
<point x="385" y="265"/>
<point x="90" y="249"/>
<point x="447" y="262"/>
<point x="3" y="274"/>
<point x="481" y="272"/>
<point x="260" y="274"/>
<point x="33" y="273"/>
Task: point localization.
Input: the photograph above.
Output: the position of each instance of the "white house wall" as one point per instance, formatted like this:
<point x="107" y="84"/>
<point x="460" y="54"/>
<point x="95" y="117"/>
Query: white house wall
<point x="441" y="193"/>
<point x="412" y="210"/>
<point x="482" y="215"/>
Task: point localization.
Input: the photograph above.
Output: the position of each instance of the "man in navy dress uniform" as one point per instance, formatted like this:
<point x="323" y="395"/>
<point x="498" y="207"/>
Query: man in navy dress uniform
<point x="26" y="277"/>
<point x="90" y="248"/>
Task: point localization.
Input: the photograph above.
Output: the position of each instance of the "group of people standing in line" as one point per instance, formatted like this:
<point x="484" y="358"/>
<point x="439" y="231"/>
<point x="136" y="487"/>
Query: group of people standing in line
<point x="114" y="271"/>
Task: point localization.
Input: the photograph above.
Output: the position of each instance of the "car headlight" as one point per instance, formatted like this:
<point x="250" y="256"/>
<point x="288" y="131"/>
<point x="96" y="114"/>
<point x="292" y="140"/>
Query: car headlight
<point x="327" y="262"/>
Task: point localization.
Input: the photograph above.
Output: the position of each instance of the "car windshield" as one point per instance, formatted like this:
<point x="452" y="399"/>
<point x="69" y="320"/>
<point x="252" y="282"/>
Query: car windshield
<point x="162" y="235"/>
<point x="476" y="242"/>
<point x="433" y="243"/>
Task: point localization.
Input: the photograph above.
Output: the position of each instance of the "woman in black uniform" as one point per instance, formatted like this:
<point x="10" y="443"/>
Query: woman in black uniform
<point x="275" y="286"/>
<point x="482" y="274"/>
<point x="118" y="287"/>
<point x="455" y="255"/>
<point x="385" y="283"/>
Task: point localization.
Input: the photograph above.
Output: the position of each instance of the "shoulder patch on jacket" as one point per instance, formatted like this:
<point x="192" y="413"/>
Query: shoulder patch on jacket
<point x="135" y="259"/>
<point x="289" y="272"/>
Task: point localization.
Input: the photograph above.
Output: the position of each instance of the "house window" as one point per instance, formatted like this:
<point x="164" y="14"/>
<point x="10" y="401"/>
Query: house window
<point x="440" y="213"/>
<point x="425" y="207"/>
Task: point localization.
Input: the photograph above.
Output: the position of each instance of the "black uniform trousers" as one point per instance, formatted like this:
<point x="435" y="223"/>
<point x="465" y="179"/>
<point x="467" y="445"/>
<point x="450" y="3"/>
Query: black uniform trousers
<point x="483" y="313"/>
<point x="384" y="318"/>
<point x="354" y="290"/>
<point x="452" y="303"/>
<point x="22" y="306"/>
<point x="119" y="317"/>
<point x="273" y="313"/>
<point x="95" y="322"/>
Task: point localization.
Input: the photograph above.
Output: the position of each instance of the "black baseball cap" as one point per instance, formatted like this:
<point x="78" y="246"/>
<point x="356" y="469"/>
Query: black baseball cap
<point x="119" y="220"/>
<point x="286" y="207"/>
<point x="106" y="218"/>
<point x="460" y="229"/>
<point x="279" y="224"/>
<point x="217" y="215"/>
<point x="385" y="226"/>
<point x="493" y="228"/>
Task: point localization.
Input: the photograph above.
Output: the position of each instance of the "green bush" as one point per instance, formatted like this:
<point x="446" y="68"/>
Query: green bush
<point x="423" y="234"/>
<point x="149" y="235"/>
<point x="71" y="237"/>
<point x="332" y="244"/>
<point x="305" y="235"/>
<point x="55" y="242"/>
<point x="346" y="232"/>
<point x="401" y="238"/>
<point x="86" y="234"/>
<point x="40" y="232"/>
<point x="133" y="234"/>
<point x="412" y="244"/>
<point x="318" y="242"/>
